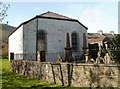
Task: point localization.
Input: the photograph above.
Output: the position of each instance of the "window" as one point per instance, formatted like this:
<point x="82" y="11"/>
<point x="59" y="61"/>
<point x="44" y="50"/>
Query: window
<point x="74" y="42"/>
<point x="41" y="41"/>
<point x="41" y="35"/>
<point x="18" y="56"/>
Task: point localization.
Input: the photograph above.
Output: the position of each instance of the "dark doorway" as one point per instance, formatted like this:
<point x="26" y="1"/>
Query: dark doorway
<point x="11" y="56"/>
<point x="42" y="56"/>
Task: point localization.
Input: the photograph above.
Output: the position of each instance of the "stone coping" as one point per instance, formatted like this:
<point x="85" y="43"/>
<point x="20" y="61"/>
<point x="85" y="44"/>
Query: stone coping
<point x="76" y="64"/>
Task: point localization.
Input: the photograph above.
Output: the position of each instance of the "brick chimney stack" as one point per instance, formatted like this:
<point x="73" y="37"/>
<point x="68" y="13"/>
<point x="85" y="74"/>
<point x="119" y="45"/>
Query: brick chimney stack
<point x="112" y="32"/>
<point x="100" y="32"/>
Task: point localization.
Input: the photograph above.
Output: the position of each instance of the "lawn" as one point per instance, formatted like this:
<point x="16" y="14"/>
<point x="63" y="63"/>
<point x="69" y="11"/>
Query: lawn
<point x="17" y="81"/>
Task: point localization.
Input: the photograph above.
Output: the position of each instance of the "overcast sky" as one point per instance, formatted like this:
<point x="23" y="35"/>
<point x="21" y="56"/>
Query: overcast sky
<point x="94" y="15"/>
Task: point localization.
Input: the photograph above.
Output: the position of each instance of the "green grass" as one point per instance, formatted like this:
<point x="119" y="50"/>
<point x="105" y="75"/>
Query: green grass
<point x="17" y="81"/>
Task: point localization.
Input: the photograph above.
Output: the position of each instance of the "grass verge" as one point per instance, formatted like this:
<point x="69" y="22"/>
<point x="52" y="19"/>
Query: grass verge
<point x="17" y="81"/>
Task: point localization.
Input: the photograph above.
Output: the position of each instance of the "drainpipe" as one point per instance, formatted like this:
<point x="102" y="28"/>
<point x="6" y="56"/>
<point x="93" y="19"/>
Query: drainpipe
<point x="36" y="37"/>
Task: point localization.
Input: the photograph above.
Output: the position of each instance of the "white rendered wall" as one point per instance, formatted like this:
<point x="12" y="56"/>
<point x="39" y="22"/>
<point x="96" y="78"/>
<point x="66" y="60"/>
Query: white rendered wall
<point x="16" y="42"/>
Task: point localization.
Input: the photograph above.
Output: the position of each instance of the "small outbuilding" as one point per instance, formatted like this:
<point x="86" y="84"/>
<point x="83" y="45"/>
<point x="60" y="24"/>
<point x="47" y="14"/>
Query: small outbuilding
<point x="43" y="38"/>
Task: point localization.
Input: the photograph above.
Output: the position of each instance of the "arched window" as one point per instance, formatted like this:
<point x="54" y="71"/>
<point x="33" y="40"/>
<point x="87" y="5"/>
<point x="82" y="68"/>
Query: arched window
<point x="41" y="40"/>
<point x="74" y="42"/>
<point x="41" y="46"/>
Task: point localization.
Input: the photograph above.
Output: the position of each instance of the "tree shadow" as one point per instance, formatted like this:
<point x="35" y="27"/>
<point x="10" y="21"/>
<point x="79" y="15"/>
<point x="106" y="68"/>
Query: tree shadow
<point x="53" y="73"/>
<point x="70" y="73"/>
<point x="94" y="77"/>
<point x="61" y="73"/>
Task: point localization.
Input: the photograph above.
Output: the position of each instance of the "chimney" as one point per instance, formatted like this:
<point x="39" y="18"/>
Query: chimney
<point x="112" y="32"/>
<point x="100" y="32"/>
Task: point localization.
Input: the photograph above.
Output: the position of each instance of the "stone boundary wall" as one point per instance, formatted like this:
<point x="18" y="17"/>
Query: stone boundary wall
<point x="75" y="74"/>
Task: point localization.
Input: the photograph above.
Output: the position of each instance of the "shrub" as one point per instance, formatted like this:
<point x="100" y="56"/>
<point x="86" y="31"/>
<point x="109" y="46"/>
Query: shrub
<point x="115" y="48"/>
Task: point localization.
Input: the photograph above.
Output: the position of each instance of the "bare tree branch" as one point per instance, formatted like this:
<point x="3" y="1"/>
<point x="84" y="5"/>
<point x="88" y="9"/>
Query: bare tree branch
<point x="3" y="10"/>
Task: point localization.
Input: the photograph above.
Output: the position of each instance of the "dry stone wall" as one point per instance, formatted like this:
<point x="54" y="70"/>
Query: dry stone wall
<point x="75" y="74"/>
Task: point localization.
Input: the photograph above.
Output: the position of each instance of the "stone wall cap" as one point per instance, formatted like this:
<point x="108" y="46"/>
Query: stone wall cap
<point x="86" y="64"/>
<point x="76" y="64"/>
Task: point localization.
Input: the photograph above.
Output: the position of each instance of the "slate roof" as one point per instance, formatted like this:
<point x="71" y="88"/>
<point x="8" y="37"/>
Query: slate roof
<point x="97" y="37"/>
<point x="55" y="15"/>
<point x="95" y="40"/>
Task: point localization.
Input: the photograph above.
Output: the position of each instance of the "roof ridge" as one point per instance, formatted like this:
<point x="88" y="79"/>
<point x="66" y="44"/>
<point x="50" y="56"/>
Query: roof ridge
<point x="43" y="13"/>
<point x="56" y="14"/>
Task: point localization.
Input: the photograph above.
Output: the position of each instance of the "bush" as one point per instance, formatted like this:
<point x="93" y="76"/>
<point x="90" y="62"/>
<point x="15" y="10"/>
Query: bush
<point x="115" y="48"/>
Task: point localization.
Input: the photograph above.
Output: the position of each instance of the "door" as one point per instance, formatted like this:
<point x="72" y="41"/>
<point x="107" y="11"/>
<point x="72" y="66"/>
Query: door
<point x="42" y="56"/>
<point x="11" y="56"/>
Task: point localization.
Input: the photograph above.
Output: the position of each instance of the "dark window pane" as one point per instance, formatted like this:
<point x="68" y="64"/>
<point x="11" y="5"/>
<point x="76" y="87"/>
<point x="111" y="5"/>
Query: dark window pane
<point x="74" y="42"/>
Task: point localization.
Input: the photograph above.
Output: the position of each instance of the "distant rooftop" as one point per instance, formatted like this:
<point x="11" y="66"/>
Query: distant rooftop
<point x="100" y="36"/>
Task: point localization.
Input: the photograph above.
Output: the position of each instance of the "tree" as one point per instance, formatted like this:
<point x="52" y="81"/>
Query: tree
<point x="115" y="48"/>
<point x="3" y="10"/>
<point x="3" y="14"/>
